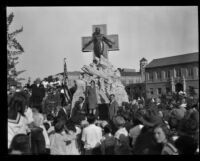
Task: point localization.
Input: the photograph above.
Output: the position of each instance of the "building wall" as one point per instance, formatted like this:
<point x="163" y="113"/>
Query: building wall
<point x="130" y="79"/>
<point x="164" y="81"/>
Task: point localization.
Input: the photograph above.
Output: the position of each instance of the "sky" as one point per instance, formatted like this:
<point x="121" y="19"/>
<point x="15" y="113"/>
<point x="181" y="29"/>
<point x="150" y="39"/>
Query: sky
<point x="51" y="34"/>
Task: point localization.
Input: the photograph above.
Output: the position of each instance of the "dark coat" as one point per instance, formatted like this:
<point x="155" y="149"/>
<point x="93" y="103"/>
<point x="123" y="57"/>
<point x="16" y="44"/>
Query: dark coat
<point x="38" y="94"/>
<point x="113" y="110"/>
<point x="51" y="102"/>
<point x="78" y="111"/>
<point x="62" y="115"/>
<point x="92" y="97"/>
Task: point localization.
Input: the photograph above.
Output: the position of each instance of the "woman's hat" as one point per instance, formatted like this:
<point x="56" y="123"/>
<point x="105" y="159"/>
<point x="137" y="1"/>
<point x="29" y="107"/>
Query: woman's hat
<point x="150" y="118"/>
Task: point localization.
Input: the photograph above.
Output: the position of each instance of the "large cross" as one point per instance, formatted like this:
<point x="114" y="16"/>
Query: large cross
<point x="103" y="29"/>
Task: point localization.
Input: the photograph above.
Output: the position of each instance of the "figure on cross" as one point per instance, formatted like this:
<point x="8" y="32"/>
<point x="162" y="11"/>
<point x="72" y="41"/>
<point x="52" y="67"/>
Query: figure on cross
<point x="98" y="45"/>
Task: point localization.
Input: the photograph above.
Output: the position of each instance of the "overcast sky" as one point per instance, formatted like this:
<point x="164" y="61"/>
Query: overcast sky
<point x="52" y="33"/>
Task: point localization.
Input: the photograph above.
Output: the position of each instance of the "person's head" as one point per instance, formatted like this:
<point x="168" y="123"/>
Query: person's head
<point x="59" y="126"/>
<point x="161" y="133"/>
<point x="70" y="126"/>
<point x="12" y="89"/>
<point x="19" y="102"/>
<point x="50" y="117"/>
<point x="20" y="145"/>
<point x="81" y="99"/>
<point x="92" y="83"/>
<point x="158" y="100"/>
<point x="119" y="121"/>
<point x="97" y="30"/>
<point x="173" y="123"/>
<point x="112" y="97"/>
<point x="91" y="119"/>
<point x="107" y="129"/>
<point x="37" y="81"/>
<point x="134" y="101"/>
<point x="183" y="101"/>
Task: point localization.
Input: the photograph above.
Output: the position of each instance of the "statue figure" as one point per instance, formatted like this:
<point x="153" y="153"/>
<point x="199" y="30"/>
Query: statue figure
<point x="98" y="45"/>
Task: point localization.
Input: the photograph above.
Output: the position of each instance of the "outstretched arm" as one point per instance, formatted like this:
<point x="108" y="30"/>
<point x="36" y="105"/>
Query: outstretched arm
<point x="108" y="41"/>
<point x="86" y="45"/>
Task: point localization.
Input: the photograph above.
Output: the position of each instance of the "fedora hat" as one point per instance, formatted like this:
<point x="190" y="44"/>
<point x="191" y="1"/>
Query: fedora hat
<point x="150" y="118"/>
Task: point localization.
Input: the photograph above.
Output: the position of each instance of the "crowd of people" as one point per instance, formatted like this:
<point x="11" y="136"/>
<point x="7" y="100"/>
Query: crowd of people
<point x="41" y="121"/>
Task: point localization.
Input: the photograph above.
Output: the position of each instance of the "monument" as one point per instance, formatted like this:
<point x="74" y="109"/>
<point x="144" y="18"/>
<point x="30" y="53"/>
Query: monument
<point x="101" y="71"/>
<point x="106" y="77"/>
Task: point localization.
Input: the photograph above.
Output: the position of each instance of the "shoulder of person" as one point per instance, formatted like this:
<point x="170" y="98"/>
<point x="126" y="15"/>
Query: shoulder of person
<point x="169" y="149"/>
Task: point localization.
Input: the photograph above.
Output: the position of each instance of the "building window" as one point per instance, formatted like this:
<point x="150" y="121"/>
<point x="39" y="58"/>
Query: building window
<point x="168" y="74"/>
<point x="197" y="71"/>
<point x="151" y="90"/>
<point x="167" y="90"/>
<point x="159" y="90"/>
<point x="164" y="75"/>
<point x="190" y="72"/>
<point x="178" y="72"/>
<point x="159" y="75"/>
<point x="147" y="76"/>
<point x="151" y="76"/>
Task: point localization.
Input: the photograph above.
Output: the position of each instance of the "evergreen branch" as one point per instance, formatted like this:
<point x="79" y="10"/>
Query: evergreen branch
<point x="11" y="35"/>
<point x="14" y="53"/>
<point x="19" y="72"/>
<point x="20" y="79"/>
<point x="17" y="45"/>
<point x="10" y="19"/>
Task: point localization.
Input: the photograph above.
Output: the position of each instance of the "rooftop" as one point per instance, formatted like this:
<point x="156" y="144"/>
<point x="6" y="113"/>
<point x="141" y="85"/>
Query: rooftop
<point x="130" y="74"/>
<point x="173" y="60"/>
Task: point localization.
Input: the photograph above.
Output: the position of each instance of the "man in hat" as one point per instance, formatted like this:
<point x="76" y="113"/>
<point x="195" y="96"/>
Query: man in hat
<point x="38" y="93"/>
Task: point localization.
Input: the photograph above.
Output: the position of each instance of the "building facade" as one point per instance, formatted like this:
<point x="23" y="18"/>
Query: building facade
<point x="130" y="76"/>
<point x="172" y="74"/>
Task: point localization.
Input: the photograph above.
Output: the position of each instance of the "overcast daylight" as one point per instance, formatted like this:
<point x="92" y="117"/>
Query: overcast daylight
<point x="103" y="80"/>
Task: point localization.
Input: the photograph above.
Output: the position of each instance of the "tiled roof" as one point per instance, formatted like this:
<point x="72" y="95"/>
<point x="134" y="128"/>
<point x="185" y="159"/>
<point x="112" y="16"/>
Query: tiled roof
<point x="130" y="74"/>
<point x="178" y="59"/>
<point x="127" y="70"/>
